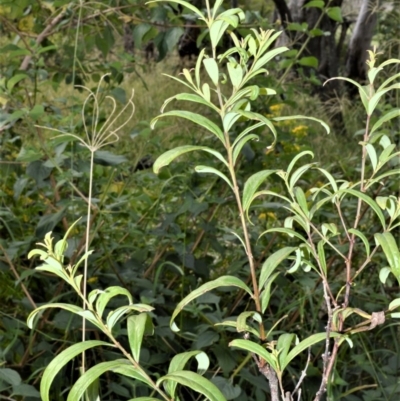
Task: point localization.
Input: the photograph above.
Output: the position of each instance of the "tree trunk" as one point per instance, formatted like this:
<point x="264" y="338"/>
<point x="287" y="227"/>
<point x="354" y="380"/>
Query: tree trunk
<point x="322" y="47"/>
<point x="360" y="41"/>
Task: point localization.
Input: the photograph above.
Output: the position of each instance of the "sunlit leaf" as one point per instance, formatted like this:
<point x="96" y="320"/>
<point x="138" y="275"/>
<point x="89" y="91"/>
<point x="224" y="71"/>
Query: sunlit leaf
<point x="166" y="158"/>
<point x="111" y="292"/>
<point x="212" y="170"/>
<point x="136" y="329"/>
<point x="195" y="382"/>
<point x="306" y="343"/>
<point x="194" y="117"/>
<point x="272" y="262"/>
<point x="59" y="362"/>
<point x="251" y="186"/>
<point x="179" y="361"/>
<point x="257" y="349"/>
<point x="119" y="366"/>
<point x="391" y="249"/>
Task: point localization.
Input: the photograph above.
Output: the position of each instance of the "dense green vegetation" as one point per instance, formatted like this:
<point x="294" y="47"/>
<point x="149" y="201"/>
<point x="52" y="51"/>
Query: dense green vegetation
<point x="233" y="269"/>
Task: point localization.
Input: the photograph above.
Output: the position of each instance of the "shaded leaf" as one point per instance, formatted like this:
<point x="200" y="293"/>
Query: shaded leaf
<point x="223" y="281"/>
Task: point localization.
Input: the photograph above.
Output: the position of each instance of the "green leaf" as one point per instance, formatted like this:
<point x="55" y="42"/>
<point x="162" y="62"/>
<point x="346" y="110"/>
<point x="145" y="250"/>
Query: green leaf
<point x="258" y="350"/>
<point x="267" y="57"/>
<point x="297" y="157"/>
<point x="315" y="3"/>
<point x="190" y="97"/>
<point x="136" y="329"/>
<point x="391" y="250"/>
<point x="71" y="308"/>
<point x="196" y="118"/>
<point x="231" y="323"/>
<point x="109" y="293"/>
<point x="223" y="281"/>
<point x="309" y="62"/>
<point x="212" y="170"/>
<point x="241" y="143"/>
<point x="251" y="186"/>
<point x="25" y="390"/>
<point x="308" y="342"/>
<point x="368" y="200"/>
<point x="58" y="363"/>
<point x="283" y="345"/>
<point x="241" y="323"/>
<point x="394" y="304"/>
<point x="363" y="238"/>
<point x="335" y="13"/>
<point x="106" y="158"/>
<point x="10" y="376"/>
<point x="179" y="361"/>
<point x="116" y="314"/>
<point x="121" y="366"/>
<point x="230" y="119"/>
<point x="297" y="117"/>
<point x="139" y="32"/>
<point x="384" y="274"/>
<point x="195" y="382"/>
<point x="217" y="30"/>
<point x="184" y="4"/>
<point x="372" y="155"/>
<point x="265" y="294"/>
<point x="166" y="158"/>
<point x="284" y="230"/>
<point x="321" y="256"/>
<point x="235" y="72"/>
<point x="14" y="80"/>
<point x="301" y="200"/>
<point x="212" y="70"/>
<point x="272" y="263"/>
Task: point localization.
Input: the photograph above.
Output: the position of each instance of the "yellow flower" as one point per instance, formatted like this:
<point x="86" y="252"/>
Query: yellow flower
<point x="26" y="24"/>
<point x="300" y="131"/>
<point x="272" y="215"/>
<point x="262" y="216"/>
<point x="276" y="109"/>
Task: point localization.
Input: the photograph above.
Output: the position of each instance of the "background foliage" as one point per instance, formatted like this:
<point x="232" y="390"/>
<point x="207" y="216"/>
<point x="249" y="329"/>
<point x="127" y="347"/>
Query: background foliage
<point x="161" y="236"/>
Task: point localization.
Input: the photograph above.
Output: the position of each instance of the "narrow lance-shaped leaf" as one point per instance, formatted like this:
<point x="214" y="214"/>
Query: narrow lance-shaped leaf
<point x="306" y="343"/>
<point x="136" y="329"/>
<point x="121" y="366"/>
<point x="212" y="170"/>
<point x="116" y="314"/>
<point x="195" y="382"/>
<point x="71" y="308"/>
<point x="391" y="250"/>
<point x="223" y="281"/>
<point x="387" y="117"/>
<point x="251" y="186"/>
<point x="61" y="360"/>
<point x="273" y="262"/>
<point x="179" y="361"/>
<point x="166" y="158"/>
<point x="194" y="117"/>
<point x="184" y="4"/>
<point x="258" y="350"/>
<point x="369" y="201"/>
<point x="109" y="293"/>
<point x="363" y="238"/>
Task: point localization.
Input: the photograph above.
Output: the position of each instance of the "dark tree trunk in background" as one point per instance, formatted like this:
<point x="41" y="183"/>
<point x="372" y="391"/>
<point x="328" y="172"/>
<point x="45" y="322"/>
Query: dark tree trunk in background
<point x="360" y="41"/>
<point x="325" y="48"/>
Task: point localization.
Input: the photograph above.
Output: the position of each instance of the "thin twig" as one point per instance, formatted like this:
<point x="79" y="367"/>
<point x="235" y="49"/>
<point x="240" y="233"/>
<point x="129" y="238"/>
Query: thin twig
<point x="14" y="270"/>
<point x="25" y="63"/>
